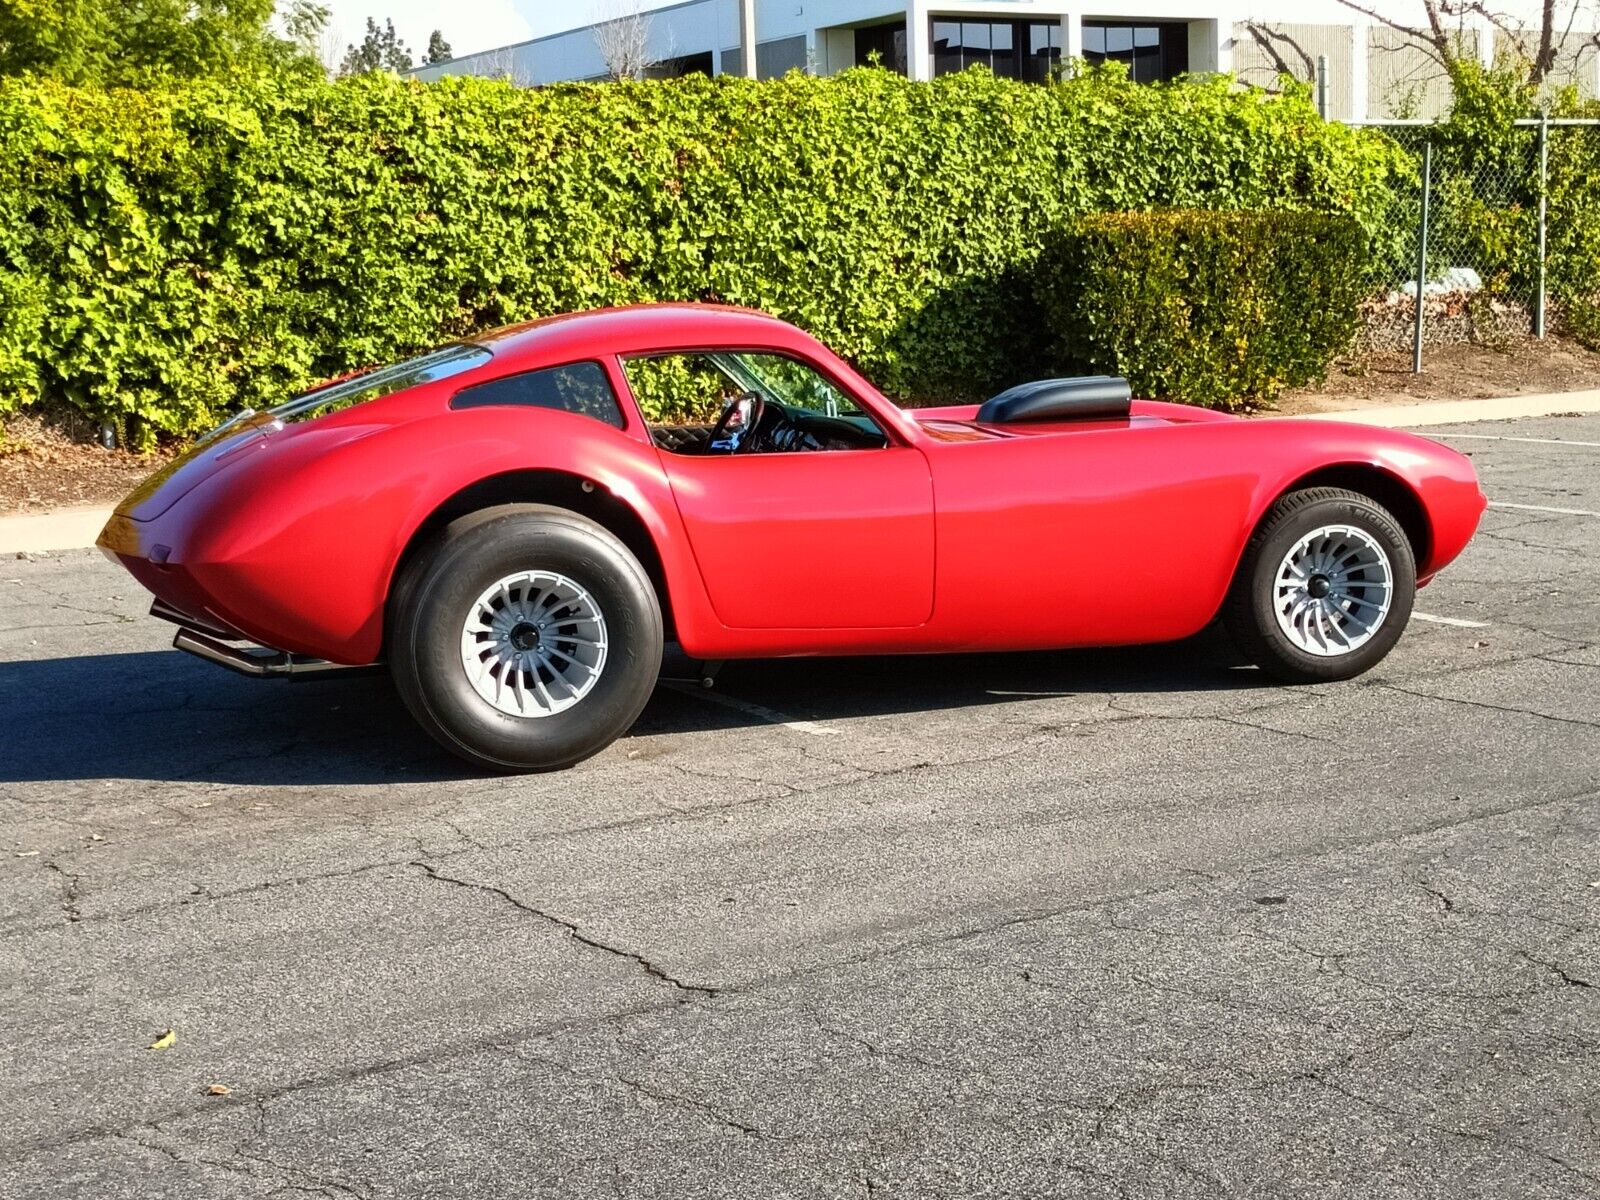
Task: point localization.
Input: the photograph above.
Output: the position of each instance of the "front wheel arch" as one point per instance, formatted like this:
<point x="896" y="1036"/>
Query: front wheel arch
<point x="1329" y="522"/>
<point x="1379" y="485"/>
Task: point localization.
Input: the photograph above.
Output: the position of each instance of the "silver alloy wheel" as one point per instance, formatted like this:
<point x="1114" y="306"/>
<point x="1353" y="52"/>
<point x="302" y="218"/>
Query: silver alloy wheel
<point x="1333" y="590"/>
<point x="534" y="644"/>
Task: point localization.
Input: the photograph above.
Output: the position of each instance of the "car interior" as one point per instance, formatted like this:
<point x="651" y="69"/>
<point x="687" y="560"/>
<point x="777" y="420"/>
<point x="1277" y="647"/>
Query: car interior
<point x="747" y="402"/>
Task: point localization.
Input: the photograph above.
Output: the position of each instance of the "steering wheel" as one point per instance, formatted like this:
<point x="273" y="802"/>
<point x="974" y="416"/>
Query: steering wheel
<point x="738" y="422"/>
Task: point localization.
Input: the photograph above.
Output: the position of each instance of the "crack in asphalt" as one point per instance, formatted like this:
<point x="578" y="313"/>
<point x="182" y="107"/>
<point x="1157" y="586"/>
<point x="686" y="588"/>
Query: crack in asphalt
<point x="1567" y="979"/>
<point x="200" y="892"/>
<point x="571" y="927"/>
<point x="1236" y="719"/>
<point x="69" y="897"/>
<point x="519" y="1037"/>
<point x="711" y="1112"/>
<point x="1486" y="1136"/>
<point x="1446" y="905"/>
<point x="246" y="1163"/>
<point x="1501" y="708"/>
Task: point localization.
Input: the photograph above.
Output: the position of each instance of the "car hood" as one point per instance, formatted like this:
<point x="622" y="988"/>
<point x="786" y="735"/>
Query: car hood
<point x="960" y="423"/>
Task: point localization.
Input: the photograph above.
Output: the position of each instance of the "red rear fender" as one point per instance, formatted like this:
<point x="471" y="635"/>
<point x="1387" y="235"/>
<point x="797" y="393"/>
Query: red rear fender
<point x="298" y="548"/>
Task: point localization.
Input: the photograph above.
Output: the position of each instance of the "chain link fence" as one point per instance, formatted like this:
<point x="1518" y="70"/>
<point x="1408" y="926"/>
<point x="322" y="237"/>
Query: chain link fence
<point x="1466" y="242"/>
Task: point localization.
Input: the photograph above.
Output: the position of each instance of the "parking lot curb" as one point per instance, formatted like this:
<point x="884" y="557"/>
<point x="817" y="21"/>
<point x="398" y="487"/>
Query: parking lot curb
<point x="1453" y="412"/>
<point x="62" y="529"/>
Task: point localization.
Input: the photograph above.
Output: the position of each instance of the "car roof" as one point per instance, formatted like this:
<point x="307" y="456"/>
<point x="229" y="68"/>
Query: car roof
<point x="639" y="328"/>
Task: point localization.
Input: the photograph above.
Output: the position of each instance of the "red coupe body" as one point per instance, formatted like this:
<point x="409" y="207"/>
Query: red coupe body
<point x="954" y="535"/>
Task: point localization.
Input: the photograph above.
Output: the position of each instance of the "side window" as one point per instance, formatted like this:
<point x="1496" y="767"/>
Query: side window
<point x="796" y="408"/>
<point x="679" y="389"/>
<point x="577" y="387"/>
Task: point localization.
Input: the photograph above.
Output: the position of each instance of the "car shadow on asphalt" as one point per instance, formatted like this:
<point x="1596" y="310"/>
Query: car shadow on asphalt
<point x="161" y="715"/>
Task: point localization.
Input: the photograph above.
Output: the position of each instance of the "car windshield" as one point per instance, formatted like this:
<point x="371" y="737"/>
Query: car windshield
<point x="369" y="385"/>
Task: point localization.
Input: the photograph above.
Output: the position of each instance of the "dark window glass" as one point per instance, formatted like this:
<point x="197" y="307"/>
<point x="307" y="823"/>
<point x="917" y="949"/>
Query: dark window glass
<point x="577" y="387"/>
<point x="1174" y="50"/>
<point x="975" y="43"/>
<point x="946" y="47"/>
<point x="1044" y="51"/>
<point x="673" y="68"/>
<point x="1012" y="49"/>
<point x="1153" y="51"/>
<point x="888" y="42"/>
<point x="1003" y="38"/>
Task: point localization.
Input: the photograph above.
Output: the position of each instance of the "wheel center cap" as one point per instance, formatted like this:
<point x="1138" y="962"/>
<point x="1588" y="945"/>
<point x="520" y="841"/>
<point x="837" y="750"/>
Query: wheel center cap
<point x="1319" y="586"/>
<point x="525" y="636"/>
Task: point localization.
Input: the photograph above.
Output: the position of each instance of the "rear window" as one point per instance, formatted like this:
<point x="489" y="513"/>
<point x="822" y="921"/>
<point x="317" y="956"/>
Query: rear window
<point x="369" y="385"/>
<point x="581" y="388"/>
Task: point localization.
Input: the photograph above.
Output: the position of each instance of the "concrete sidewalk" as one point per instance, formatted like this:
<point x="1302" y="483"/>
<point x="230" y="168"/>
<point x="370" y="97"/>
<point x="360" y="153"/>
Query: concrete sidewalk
<point x="62" y="529"/>
<point x="1455" y="412"/>
<point x="77" y="528"/>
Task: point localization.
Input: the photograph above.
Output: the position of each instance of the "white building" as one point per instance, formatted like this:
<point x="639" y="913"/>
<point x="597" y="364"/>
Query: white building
<point x="1373" y="69"/>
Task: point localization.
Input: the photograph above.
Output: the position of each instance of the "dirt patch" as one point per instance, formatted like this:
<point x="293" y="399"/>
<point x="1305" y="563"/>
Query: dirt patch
<point x="1458" y="372"/>
<point x="46" y="466"/>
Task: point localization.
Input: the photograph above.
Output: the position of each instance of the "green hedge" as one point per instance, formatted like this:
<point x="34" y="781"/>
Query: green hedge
<point x="1211" y="308"/>
<point x="168" y="256"/>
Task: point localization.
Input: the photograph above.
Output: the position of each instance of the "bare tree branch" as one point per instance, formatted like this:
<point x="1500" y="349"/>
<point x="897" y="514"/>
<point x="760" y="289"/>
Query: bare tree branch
<point x="503" y="64"/>
<point x="1432" y="40"/>
<point x="1542" y="45"/>
<point x="1268" y="39"/>
<point x="624" y="44"/>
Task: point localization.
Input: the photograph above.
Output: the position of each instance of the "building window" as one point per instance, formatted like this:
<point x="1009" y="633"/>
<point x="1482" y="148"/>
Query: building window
<point x="888" y="42"/>
<point x="676" y="68"/>
<point x="1152" y="52"/>
<point x="1027" y="50"/>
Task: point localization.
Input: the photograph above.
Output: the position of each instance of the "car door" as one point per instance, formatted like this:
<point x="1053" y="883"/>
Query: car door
<point x="1104" y="533"/>
<point x="838" y="539"/>
<point x="810" y="539"/>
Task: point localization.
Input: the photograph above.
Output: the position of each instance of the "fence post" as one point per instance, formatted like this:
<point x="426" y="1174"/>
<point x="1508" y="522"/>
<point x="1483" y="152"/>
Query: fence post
<point x="1322" y="86"/>
<point x="1422" y="256"/>
<point x="1544" y="180"/>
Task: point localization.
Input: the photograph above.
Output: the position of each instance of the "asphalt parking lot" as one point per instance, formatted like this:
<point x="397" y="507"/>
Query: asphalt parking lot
<point x="1125" y="923"/>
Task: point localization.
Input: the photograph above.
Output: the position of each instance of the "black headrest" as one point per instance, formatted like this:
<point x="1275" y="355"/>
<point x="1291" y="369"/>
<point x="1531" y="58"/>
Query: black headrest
<point x="1079" y="398"/>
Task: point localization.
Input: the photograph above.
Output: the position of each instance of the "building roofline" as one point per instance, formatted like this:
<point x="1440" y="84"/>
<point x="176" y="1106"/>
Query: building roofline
<point x="549" y="37"/>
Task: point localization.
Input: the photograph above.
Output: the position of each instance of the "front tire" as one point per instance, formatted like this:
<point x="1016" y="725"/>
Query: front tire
<point x="525" y="638"/>
<point x="1324" y="588"/>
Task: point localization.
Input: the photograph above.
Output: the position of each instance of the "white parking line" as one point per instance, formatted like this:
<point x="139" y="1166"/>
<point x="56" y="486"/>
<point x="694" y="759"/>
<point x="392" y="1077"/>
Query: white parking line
<point x="770" y="715"/>
<point x="1491" y="437"/>
<point x="1456" y="621"/>
<point x="1565" y="512"/>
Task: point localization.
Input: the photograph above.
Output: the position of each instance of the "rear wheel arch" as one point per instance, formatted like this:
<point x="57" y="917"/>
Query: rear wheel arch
<point x="556" y="489"/>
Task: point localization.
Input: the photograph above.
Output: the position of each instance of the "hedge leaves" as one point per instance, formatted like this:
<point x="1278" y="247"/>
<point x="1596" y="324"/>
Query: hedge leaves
<point x="170" y="255"/>
<point x="1205" y="307"/>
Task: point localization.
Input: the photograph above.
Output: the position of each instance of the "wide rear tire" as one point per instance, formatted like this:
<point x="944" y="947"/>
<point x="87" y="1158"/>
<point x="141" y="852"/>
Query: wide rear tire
<point x="525" y="638"/>
<point x="1324" y="588"/>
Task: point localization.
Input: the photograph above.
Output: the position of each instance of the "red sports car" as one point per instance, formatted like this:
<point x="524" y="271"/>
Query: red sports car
<point x="498" y="522"/>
